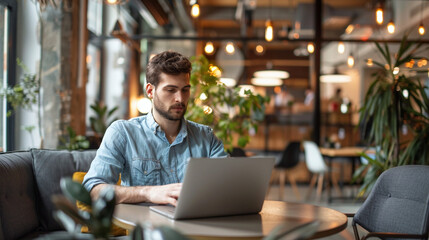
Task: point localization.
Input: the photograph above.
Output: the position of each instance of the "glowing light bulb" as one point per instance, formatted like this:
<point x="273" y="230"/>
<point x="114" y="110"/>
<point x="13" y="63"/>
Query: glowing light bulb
<point x="350" y="29"/>
<point x="310" y="47"/>
<point x="350" y="61"/>
<point x="341" y="48"/>
<point x="195" y="10"/>
<point x="421" y="29"/>
<point x="209" y="48"/>
<point x="369" y="62"/>
<point x="395" y="70"/>
<point x="230" y="49"/>
<point x="391" y="27"/>
<point x="269" y="32"/>
<point x="259" y="49"/>
<point x="379" y="15"/>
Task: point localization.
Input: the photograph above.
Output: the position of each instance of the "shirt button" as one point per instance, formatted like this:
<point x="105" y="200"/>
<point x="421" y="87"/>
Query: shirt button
<point x="171" y="170"/>
<point x="145" y="172"/>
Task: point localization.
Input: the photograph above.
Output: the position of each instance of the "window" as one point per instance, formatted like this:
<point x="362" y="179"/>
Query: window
<point x="8" y="15"/>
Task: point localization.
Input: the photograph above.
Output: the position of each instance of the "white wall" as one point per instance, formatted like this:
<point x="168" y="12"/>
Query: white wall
<point x="28" y="50"/>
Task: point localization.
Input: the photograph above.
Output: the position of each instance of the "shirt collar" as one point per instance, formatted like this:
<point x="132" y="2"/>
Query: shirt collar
<point x="151" y="122"/>
<point x="153" y="125"/>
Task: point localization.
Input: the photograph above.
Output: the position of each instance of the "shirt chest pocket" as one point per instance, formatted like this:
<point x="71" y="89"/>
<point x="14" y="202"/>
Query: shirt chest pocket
<point x="146" y="171"/>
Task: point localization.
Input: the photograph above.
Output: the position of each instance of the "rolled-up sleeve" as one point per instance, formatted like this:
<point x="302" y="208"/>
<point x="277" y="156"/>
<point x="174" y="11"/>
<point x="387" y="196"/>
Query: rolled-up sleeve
<point x="109" y="160"/>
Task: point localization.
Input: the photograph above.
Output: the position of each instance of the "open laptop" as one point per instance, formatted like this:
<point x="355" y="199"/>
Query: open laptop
<point x="221" y="187"/>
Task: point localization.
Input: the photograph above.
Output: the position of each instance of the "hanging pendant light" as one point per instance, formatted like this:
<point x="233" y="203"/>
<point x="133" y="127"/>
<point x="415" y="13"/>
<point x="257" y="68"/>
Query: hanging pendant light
<point x="259" y="49"/>
<point x="341" y="47"/>
<point x="310" y="47"/>
<point x="379" y="15"/>
<point x="391" y="27"/>
<point x="209" y="48"/>
<point x="229" y="48"/>
<point x="269" y="32"/>
<point x="335" y="77"/>
<point x="350" y="60"/>
<point x="195" y="9"/>
<point x="269" y="78"/>
<point x="421" y="29"/>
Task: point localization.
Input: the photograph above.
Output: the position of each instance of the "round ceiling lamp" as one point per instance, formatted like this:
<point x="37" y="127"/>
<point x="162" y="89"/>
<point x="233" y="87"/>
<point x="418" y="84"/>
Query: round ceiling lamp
<point x="335" y="78"/>
<point x="229" y="82"/>
<point x="266" y="82"/>
<point x="271" y="74"/>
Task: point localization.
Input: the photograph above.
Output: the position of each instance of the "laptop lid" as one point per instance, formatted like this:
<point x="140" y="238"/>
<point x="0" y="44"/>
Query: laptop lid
<point x="221" y="187"/>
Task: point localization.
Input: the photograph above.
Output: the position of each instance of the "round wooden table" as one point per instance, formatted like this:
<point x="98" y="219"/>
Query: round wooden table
<point x="253" y="226"/>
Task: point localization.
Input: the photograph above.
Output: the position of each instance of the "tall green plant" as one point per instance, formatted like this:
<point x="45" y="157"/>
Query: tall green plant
<point x="224" y="109"/>
<point x="395" y="100"/>
<point x="102" y="118"/>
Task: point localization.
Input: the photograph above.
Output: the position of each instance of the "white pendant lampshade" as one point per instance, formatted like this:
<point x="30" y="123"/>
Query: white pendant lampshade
<point x="229" y="82"/>
<point x="269" y="78"/>
<point x="266" y="82"/>
<point x="271" y="74"/>
<point x="335" y="78"/>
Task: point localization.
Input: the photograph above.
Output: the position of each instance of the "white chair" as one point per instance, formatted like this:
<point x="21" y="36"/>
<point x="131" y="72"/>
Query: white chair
<point x="316" y="165"/>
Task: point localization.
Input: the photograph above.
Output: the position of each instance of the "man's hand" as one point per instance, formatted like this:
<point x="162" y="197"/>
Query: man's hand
<point x="165" y="194"/>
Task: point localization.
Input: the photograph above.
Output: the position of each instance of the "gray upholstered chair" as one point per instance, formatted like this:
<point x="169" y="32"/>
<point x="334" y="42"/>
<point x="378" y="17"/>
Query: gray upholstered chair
<point x="398" y="205"/>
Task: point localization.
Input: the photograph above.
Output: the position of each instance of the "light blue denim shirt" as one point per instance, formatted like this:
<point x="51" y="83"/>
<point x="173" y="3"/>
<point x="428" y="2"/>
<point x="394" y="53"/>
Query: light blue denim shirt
<point x="139" y="150"/>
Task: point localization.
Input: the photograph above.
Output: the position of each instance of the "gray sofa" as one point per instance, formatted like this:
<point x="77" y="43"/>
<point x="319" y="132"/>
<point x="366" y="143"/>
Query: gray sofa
<point x="28" y="179"/>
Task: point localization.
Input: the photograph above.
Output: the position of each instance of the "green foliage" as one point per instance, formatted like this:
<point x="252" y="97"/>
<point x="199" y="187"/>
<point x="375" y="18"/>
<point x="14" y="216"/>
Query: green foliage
<point x="73" y="141"/>
<point x="386" y="110"/>
<point x="101" y="120"/>
<point x="24" y="94"/>
<point x="223" y="109"/>
<point x="98" y="220"/>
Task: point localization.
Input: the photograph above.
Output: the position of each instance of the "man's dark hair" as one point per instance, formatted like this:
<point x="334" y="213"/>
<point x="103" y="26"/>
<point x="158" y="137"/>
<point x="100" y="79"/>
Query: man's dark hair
<point x="168" y="62"/>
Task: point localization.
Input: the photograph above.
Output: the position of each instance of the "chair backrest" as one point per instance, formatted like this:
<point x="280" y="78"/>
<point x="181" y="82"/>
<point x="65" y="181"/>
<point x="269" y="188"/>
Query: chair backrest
<point x="313" y="158"/>
<point x="290" y="155"/>
<point x="237" y="152"/>
<point x="399" y="202"/>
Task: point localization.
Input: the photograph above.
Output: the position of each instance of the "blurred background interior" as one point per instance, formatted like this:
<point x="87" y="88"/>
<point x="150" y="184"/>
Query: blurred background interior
<point x="320" y="52"/>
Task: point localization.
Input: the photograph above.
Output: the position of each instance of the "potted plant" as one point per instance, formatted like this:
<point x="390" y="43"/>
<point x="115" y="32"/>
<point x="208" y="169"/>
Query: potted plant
<point x="226" y="110"/>
<point x="100" y="121"/>
<point x="24" y="95"/>
<point x="395" y="100"/>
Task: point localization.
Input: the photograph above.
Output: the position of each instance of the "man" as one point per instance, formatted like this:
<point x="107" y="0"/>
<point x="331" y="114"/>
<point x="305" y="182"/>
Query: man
<point x="150" y="152"/>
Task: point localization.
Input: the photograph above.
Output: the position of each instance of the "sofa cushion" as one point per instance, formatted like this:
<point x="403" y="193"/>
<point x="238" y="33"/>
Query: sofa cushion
<point x="49" y="167"/>
<point x="18" y="215"/>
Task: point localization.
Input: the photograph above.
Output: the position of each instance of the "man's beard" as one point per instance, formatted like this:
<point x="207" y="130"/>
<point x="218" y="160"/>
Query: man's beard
<point x="159" y="107"/>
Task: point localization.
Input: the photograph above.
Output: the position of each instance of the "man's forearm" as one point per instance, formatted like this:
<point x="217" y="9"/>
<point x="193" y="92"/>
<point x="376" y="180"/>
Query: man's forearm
<point x="124" y="194"/>
<point x="165" y="194"/>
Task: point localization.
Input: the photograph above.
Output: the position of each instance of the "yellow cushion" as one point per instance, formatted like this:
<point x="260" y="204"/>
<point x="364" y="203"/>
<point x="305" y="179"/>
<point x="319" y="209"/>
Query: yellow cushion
<point x="116" y="230"/>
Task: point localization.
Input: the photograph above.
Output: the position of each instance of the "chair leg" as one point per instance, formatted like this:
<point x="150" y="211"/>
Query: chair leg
<point x="310" y="188"/>
<point x="355" y="231"/>
<point x="294" y="186"/>
<point x="272" y="179"/>
<point x="319" y="186"/>
<point x="282" y="179"/>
